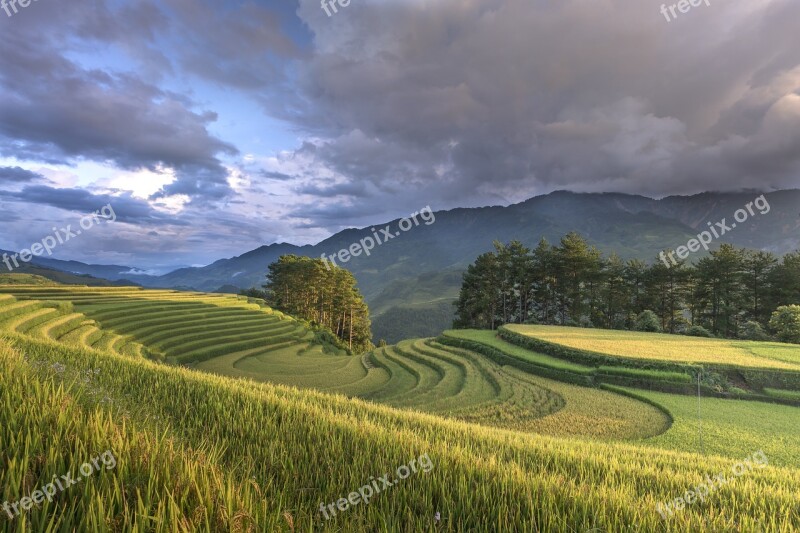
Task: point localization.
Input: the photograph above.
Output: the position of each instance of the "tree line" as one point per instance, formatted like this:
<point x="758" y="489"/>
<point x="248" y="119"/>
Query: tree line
<point x="730" y="293"/>
<point x="303" y="287"/>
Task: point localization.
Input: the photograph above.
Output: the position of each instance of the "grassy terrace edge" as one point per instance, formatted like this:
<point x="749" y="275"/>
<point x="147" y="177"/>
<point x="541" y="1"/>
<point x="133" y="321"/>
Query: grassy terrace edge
<point x="592" y="369"/>
<point x="514" y="403"/>
<point x="187" y="459"/>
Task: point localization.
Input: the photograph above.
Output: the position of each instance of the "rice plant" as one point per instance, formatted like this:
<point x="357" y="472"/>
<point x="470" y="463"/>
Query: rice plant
<point x="286" y="425"/>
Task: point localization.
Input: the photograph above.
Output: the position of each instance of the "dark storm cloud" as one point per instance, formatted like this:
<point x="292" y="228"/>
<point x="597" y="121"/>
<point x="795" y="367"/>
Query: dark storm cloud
<point x="105" y="117"/>
<point x="54" y="110"/>
<point x="335" y="215"/>
<point x="18" y="175"/>
<point x="510" y="98"/>
<point x="127" y="208"/>
<point x="396" y="104"/>
<point x="240" y="47"/>
<point x="277" y="176"/>
<point x="357" y="190"/>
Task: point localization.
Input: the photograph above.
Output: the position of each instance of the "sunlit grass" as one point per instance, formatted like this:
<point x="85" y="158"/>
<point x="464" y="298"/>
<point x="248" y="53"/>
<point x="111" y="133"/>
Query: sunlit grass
<point x="200" y="452"/>
<point x="664" y="347"/>
<point x="733" y="428"/>
<point x="190" y="457"/>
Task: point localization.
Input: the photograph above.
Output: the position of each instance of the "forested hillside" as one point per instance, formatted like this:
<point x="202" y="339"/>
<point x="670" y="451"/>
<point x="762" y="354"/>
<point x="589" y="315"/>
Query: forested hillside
<point x="732" y="292"/>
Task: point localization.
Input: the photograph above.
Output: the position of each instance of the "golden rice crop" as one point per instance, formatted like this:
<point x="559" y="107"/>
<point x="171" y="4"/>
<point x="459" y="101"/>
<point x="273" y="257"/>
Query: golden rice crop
<point x="665" y="347"/>
<point x="191" y="458"/>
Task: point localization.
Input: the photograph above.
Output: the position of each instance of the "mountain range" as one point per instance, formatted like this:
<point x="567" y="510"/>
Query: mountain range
<point x="411" y="280"/>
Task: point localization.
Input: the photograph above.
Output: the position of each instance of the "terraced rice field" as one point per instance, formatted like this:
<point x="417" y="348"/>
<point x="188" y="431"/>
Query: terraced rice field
<point x="670" y="348"/>
<point x="431" y="377"/>
<point x="56" y="321"/>
<point x="178" y="327"/>
<point x="197" y="452"/>
<point x="594" y="412"/>
<point x="455" y="383"/>
<point x="729" y="427"/>
<point x="229" y="336"/>
<point x="489" y="338"/>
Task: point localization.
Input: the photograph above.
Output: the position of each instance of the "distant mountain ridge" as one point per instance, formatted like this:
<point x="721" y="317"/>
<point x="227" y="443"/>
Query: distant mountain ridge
<point x="630" y="225"/>
<point x="108" y="272"/>
<point x="399" y="272"/>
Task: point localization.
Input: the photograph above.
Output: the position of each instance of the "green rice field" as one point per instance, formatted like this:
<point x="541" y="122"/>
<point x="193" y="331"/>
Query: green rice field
<point x="225" y="415"/>
<point x="669" y="348"/>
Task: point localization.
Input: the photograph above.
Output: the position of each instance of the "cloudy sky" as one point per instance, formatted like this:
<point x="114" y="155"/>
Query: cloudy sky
<point x="213" y="127"/>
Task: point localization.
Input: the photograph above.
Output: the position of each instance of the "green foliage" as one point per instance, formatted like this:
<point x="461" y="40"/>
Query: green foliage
<point x="647" y="321"/>
<point x="310" y="289"/>
<point x="785" y="322"/>
<point x="409" y="322"/>
<point x="753" y="331"/>
<point x="783" y="394"/>
<point x="254" y="293"/>
<point x="330" y="342"/>
<point x="698" y="331"/>
<point x="478" y="300"/>
<point x="572" y="284"/>
<point x="646" y="375"/>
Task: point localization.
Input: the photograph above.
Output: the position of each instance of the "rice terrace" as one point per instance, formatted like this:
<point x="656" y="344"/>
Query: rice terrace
<point x="413" y="266"/>
<point x="536" y="428"/>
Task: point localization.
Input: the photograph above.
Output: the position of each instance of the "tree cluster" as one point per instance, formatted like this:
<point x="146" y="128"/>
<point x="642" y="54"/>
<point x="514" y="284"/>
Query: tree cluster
<point x="304" y="287"/>
<point x="731" y="293"/>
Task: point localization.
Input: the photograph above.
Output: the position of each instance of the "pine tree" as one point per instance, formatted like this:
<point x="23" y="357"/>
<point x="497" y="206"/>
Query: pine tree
<point x="615" y="294"/>
<point x="784" y="282"/>
<point x="757" y="267"/>
<point x="477" y="305"/>
<point x="667" y="294"/>
<point x="543" y="282"/>
<point x="306" y="288"/>
<point x="577" y="266"/>
<point x="719" y="291"/>
<point x="571" y="284"/>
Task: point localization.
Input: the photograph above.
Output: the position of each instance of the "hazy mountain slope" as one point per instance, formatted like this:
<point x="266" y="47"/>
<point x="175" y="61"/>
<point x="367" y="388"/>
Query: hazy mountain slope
<point x="108" y="272"/>
<point x="633" y="226"/>
<point x="61" y="276"/>
<point x="776" y="231"/>
<point x="398" y="272"/>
